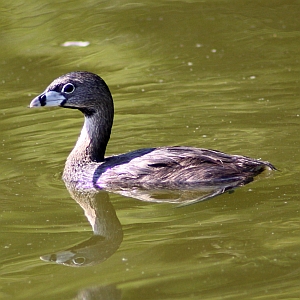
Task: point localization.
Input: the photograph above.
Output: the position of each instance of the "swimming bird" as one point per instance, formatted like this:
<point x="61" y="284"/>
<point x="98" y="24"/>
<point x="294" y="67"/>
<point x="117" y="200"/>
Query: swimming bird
<point x="161" y="167"/>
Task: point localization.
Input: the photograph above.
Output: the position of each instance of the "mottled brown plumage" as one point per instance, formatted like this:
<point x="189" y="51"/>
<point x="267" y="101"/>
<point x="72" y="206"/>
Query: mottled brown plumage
<point x="163" y="167"/>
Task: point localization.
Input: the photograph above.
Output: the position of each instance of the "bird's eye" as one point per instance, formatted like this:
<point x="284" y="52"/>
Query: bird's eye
<point x="68" y="88"/>
<point x="78" y="261"/>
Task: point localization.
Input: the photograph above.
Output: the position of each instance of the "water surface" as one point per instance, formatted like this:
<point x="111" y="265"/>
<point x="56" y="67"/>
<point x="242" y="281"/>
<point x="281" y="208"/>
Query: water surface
<point x="215" y="74"/>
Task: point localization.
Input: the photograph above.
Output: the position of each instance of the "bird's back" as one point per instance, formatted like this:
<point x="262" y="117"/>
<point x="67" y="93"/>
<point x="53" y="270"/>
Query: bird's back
<point x="176" y="167"/>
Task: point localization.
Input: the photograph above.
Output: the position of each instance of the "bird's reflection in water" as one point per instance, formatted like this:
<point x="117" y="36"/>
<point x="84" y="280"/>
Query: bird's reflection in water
<point x="181" y="197"/>
<point x="109" y="292"/>
<point x="106" y="226"/>
<point x="107" y="231"/>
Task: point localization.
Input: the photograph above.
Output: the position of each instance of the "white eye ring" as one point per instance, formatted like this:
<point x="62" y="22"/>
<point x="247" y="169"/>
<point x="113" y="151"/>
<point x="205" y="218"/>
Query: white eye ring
<point x="68" y="88"/>
<point x="78" y="261"/>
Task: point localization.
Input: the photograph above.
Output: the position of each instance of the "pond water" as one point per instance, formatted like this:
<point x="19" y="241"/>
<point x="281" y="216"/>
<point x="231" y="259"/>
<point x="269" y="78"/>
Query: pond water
<point x="213" y="74"/>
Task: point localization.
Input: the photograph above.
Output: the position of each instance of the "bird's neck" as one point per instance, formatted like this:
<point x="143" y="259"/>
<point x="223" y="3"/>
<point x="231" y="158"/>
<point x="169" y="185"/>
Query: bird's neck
<point x="92" y="142"/>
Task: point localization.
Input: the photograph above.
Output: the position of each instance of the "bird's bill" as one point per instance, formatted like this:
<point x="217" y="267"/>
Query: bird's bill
<point x="50" y="98"/>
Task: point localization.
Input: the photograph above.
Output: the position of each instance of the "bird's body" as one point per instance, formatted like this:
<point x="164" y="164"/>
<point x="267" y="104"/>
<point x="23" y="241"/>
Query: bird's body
<point x="163" y="167"/>
<point x="166" y="167"/>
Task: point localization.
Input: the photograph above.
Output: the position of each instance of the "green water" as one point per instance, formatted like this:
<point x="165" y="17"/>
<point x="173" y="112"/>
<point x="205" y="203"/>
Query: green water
<point x="213" y="74"/>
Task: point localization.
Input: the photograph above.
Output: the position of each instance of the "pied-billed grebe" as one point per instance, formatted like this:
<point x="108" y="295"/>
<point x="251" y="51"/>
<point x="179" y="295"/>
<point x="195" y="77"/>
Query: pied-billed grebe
<point x="168" y="167"/>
